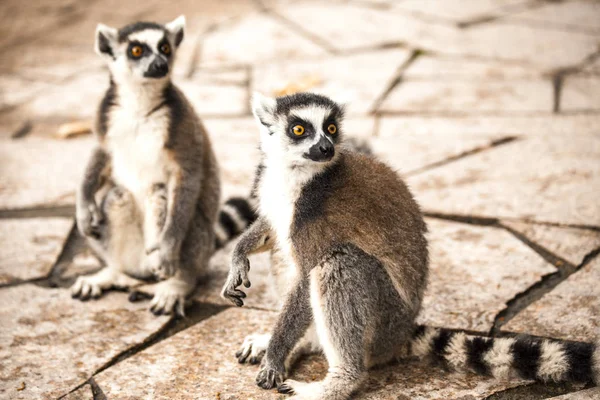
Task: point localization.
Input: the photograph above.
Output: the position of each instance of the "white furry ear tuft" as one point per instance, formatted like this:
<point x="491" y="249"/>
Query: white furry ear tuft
<point x="176" y="29"/>
<point x="263" y="108"/>
<point x="106" y="40"/>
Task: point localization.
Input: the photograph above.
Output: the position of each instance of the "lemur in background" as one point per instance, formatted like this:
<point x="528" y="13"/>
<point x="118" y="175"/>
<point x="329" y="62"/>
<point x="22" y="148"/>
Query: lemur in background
<point x="149" y="199"/>
<point x="352" y="240"/>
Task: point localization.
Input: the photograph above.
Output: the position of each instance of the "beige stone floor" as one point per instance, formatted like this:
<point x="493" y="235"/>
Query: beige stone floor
<point x="489" y="108"/>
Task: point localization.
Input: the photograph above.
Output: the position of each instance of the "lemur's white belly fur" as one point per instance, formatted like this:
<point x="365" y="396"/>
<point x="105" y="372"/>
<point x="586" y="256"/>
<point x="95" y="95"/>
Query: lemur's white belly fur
<point x="139" y="159"/>
<point x="278" y="192"/>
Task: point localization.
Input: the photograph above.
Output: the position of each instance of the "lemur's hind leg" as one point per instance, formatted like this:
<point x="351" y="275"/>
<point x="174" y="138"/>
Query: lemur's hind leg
<point x="119" y="244"/>
<point x="346" y="314"/>
<point x="170" y="295"/>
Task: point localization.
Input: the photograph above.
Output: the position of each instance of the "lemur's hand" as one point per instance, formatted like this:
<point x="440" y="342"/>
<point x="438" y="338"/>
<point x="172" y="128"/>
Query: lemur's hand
<point x="270" y="376"/>
<point x="162" y="260"/>
<point x="89" y="219"/>
<point x="238" y="274"/>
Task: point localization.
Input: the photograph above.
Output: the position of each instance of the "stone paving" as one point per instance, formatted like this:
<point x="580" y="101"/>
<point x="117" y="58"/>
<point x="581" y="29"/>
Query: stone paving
<point x="489" y="108"/>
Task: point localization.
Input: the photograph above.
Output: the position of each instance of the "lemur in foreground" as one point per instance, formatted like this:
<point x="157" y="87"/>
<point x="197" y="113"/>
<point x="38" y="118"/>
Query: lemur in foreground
<point x="352" y="241"/>
<point x="149" y="199"/>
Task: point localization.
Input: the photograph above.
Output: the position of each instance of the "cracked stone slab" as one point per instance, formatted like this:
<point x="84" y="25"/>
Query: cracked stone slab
<point x="211" y="99"/>
<point x="538" y="178"/>
<point x="30" y="247"/>
<point x="357" y="80"/>
<point x="441" y="67"/>
<point x="542" y="48"/>
<point x="514" y="125"/>
<point x="571" y="244"/>
<point x="580" y="93"/>
<point x="56" y="343"/>
<point x="15" y="90"/>
<point x="593" y="67"/>
<point x="589" y="394"/>
<point x="471" y="97"/>
<point x="233" y="76"/>
<point x="83" y="393"/>
<point x="39" y="172"/>
<point x="409" y="146"/>
<point x="199" y="363"/>
<point x="18" y="26"/>
<point x="578" y="15"/>
<point x="77" y="97"/>
<point x="370" y="28"/>
<point x="461" y="10"/>
<point x="244" y="41"/>
<point x="474" y="272"/>
<point x="570" y="311"/>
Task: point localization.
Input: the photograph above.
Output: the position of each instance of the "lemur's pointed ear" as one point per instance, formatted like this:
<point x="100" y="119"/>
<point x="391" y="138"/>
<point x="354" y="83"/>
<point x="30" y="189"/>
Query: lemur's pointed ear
<point x="175" y="29"/>
<point x="263" y="108"/>
<point x="106" y="40"/>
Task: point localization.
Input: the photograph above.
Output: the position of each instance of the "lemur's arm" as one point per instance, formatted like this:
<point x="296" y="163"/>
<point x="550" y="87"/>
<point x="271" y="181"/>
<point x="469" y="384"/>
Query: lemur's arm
<point x="256" y="239"/>
<point x="88" y="216"/>
<point x="292" y="323"/>
<point x="183" y="189"/>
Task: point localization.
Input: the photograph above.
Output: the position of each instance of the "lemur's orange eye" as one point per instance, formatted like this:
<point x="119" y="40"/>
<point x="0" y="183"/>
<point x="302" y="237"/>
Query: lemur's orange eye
<point x="332" y="129"/>
<point x="298" y="130"/>
<point x="165" y="48"/>
<point x="137" y="51"/>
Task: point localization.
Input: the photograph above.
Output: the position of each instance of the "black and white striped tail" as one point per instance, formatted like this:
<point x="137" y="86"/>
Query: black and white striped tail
<point x="234" y="217"/>
<point x="525" y="357"/>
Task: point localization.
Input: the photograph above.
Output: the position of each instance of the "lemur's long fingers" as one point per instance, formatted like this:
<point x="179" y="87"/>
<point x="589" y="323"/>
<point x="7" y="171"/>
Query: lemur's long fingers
<point x="244" y="274"/>
<point x="246" y="281"/>
<point x="180" y="307"/>
<point x="242" y="357"/>
<point x="137" y="295"/>
<point x="76" y="289"/>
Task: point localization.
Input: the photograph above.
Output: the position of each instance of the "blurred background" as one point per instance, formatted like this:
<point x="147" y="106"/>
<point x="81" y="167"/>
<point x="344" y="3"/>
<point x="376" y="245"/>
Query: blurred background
<point x="489" y="108"/>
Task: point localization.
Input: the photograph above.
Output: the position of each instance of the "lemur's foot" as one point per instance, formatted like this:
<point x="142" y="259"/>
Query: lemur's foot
<point x="253" y="349"/>
<point x="92" y="286"/>
<point x="269" y="377"/>
<point x="168" y="296"/>
<point x="301" y="390"/>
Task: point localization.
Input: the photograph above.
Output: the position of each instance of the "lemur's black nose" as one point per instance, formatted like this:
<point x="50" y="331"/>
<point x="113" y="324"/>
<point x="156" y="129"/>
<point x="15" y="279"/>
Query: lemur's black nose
<point x="158" y="68"/>
<point x="323" y="150"/>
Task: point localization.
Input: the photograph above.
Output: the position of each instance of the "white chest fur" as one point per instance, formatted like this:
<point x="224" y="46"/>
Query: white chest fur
<point x="136" y="143"/>
<point x="279" y="190"/>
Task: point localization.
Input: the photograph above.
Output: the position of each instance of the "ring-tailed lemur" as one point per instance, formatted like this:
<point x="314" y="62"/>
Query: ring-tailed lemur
<point x="150" y="193"/>
<point x="352" y="238"/>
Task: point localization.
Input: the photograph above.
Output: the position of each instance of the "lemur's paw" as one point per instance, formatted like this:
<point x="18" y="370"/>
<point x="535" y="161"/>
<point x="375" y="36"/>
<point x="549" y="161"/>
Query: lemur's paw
<point x="89" y="219"/>
<point x="169" y="297"/>
<point x="301" y="390"/>
<point x="253" y="349"/>
<point x="86" y="287"/>
<point x="238" y="274"/>
<point x="161" y="262"/>
<point x="151" y="263"/>
<point x="269" y="377"/>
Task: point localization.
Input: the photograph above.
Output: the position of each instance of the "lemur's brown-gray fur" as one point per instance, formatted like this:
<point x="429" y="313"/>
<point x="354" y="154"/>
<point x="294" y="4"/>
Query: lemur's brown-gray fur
<point x="349" y="249"/>
<point x="150" y="195"/>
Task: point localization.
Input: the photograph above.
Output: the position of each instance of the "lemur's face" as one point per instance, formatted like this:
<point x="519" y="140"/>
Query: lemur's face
<point x="141" y="52"/>
<point x="299" y="129"/>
